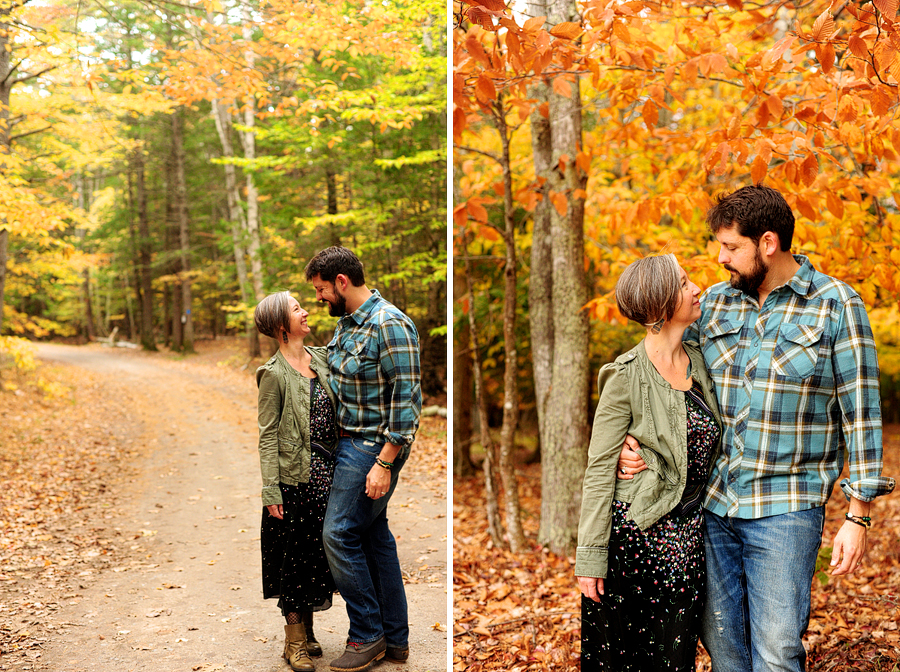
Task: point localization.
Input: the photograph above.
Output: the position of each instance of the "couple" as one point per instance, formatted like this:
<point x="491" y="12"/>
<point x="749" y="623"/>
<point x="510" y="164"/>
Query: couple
<point x="741" y="403"/>
<point x="335" y="427"/>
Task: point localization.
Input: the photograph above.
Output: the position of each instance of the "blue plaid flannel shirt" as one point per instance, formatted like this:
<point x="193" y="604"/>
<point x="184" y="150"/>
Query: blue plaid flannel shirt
<point x="374" y="362"/>
<point x="798" y="388"/>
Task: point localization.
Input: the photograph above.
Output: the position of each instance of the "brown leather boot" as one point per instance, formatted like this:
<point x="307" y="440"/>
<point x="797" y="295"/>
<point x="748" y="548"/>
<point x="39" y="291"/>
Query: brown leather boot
<point x="312" y="646"/>
<point x="295" y="648"/>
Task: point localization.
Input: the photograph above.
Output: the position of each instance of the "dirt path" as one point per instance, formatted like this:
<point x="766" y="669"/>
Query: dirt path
<point x="189" y="597"/>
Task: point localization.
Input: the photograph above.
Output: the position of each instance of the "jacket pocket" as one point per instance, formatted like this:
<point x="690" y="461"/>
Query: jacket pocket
<point x="658" y="465"/>
<point x="796" y="352"/>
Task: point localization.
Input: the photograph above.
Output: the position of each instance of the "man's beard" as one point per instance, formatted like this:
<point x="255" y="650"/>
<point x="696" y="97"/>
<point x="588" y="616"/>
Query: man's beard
<point x="337" y="308"/>
<point x="749" y="283"/>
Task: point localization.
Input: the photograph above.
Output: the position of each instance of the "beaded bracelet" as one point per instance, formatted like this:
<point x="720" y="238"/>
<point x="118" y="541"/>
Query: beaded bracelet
<point x="383" y="463"/>
<point x="864" y="521"/>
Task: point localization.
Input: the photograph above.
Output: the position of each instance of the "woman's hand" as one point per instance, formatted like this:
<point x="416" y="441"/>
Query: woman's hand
<point x="591" y="587"/>
<point x="630" y="461"/>
<point x="276" y="510"/>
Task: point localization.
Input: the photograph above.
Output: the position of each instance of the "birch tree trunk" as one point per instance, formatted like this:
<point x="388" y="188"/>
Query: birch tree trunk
<point x="248" y="139"/>
<point x="184" y="239"/>
<point x="564" y="425"/>
<point x="236" y="217"/>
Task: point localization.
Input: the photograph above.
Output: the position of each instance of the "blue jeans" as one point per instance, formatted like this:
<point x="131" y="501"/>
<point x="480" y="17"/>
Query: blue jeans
<point x="361" y="550"/>
<point x="758" y="590"/>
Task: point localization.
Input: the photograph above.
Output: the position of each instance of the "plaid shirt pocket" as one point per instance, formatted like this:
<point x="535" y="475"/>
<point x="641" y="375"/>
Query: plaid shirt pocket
<point x="797" y="355"/>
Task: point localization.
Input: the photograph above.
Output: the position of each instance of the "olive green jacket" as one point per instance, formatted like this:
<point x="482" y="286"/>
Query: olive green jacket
<point x="635" y="399"/>
<point x="284" y="446"/>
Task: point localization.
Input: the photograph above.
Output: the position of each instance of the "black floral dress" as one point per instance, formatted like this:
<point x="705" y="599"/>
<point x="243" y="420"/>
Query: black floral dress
<point x="649" y="618"/>
<point x="294" y="567"/>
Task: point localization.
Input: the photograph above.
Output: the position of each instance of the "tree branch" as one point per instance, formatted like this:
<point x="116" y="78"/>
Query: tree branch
<point x="22" y="135"/>
<point x="32" y="76"/>
<point x="477" y="151"/>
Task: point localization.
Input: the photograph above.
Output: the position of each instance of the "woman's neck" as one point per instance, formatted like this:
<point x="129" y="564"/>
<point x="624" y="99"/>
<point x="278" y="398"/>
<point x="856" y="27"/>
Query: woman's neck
<point x="667" y="354"/>
<point x="297" y="356"/>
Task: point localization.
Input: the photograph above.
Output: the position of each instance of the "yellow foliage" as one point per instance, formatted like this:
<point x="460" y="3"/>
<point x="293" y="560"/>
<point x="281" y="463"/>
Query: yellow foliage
<point x="20" y="350"/>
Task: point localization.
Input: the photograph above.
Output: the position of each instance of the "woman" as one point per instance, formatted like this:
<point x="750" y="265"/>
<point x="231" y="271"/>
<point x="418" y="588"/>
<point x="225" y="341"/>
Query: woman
<point x="296" y="441"/>
<point x="640" y="559"/>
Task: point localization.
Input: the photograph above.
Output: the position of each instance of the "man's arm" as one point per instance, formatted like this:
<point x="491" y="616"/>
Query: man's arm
<point x="399" y="360"/>
<point x="400" y="365"/>
<point x="855" y="366"/>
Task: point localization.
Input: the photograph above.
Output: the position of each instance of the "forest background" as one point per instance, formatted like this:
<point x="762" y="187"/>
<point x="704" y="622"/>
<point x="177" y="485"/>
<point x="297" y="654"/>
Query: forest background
<point x="164" y="165"/>
<point x="586" y="135"/>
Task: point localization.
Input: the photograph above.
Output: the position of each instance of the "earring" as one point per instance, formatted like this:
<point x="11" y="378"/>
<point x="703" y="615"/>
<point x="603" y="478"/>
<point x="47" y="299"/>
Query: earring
<point x="284" y="336"/>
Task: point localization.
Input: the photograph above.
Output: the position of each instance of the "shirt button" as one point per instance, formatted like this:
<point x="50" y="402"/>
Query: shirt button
<point x="754" y="342"/>
<point x="732" y="478"/>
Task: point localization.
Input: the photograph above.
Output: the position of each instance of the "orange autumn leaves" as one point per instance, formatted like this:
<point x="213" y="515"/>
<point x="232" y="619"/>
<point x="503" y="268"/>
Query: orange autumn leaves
<point x="680" y="104"/>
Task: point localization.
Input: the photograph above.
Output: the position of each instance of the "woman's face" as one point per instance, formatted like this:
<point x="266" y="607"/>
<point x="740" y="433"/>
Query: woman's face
<point x="688" y="310"/>
<point x="297" y="318"/>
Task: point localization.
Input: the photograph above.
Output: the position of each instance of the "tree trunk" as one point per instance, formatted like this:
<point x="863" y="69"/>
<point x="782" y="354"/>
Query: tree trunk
<point x="510" y="356"/>
<point x="6" y="83"/>
<point x="565" y="431"/>
<point x="86" y="273"/>
<point x="248" y="139"/>
<point x="540" y="282"/>
<point x="172" y="246"/>
<point x="331" y="189"/>
<point x="181" y="215"/>
<point x="491" y="489"/>
<point x="4" y="246"/>
<point x="462" y="388"/>
<point x="145" y="252"/>
<point x="236" y="217"/>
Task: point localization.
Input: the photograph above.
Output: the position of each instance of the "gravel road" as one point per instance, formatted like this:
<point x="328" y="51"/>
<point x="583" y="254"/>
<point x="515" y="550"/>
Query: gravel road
<point x="190" y="598"/>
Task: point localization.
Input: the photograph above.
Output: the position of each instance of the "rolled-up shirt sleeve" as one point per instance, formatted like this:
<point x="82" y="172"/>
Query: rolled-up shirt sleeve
<point x="269" y="418"/>
<point x="399" y="360"/>
<point x="855" y="363"/>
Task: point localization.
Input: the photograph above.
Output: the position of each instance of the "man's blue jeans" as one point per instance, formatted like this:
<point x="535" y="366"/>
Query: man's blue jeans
<point x="361" y="550"/>
<point x="758" y="590"/>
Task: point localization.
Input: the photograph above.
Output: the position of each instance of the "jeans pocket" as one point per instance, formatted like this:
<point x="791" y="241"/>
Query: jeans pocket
<point x="365" y="447"/>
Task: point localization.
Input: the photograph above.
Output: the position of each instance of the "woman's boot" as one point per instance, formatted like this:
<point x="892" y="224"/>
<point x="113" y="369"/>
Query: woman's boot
<point x="295" y="648"/>
<point x="312" y="646"/>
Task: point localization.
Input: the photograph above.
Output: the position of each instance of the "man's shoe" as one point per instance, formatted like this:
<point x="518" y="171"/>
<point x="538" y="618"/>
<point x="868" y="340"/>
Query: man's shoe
<point x="396" y="654"/>
<point x="358" y="656"/>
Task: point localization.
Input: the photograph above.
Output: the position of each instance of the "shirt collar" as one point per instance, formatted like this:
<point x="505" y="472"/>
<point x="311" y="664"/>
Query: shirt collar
<point x="362" y="313"/>
<point x="800" y="282"/>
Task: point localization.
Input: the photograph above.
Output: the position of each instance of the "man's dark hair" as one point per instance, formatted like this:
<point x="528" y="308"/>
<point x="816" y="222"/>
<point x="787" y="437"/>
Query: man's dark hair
<point x="332" y="261"/>
<point x="754" y="210"/>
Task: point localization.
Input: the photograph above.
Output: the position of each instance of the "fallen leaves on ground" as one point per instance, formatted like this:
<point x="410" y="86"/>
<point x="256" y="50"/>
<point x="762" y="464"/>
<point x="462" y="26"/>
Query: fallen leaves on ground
<point x="518" y="612"/>
<point x="61" y="458"/>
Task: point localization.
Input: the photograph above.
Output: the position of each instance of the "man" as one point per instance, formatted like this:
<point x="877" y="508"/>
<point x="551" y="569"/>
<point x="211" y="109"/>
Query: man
<point x="792" y="356"/>
<point x="374" y="364"/>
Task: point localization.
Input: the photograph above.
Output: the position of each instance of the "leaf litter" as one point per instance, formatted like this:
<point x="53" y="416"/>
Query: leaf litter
<point x="63" y="456"/>
<point x="518" y="612"/>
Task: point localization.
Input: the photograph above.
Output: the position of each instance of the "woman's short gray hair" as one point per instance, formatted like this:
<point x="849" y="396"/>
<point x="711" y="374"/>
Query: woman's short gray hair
<point x="649" y="290"/>
<point x="272" y="313"/>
